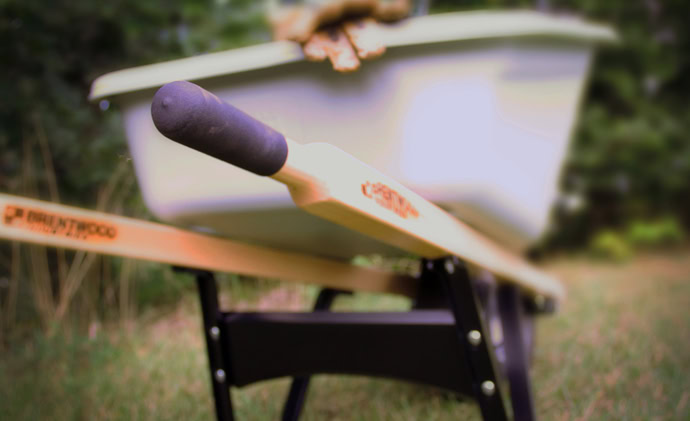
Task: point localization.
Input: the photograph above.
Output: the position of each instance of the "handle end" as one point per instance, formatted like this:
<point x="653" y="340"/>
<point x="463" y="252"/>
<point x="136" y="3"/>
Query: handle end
<point x="194" y="117"/>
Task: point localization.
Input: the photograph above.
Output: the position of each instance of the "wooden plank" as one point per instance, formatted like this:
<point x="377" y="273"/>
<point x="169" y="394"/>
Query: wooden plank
<point x="55" y="225"/>
<point x="327" y="182"/>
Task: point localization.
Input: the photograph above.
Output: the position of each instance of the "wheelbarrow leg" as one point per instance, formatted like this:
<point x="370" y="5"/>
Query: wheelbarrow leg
<point x="221" y="376"/>
<point x="517" y="355"/>
<point x="473" y="335"/>
<point x="300" y="385"/>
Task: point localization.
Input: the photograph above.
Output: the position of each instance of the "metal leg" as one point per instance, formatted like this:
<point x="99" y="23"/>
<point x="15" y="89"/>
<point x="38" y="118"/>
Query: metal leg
<point x="220" y="373"/>
<point x="298" y="389"/>
<point x="473" y="336"/>
<point x="513" y="319"/>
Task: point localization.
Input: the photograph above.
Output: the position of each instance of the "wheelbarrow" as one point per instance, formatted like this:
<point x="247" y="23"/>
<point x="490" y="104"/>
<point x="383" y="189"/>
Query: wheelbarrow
<point x="448" y="148"/>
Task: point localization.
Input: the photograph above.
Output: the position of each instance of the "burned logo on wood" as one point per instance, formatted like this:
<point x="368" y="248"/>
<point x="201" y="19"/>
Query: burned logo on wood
<point x="389" y="199"/>
<point x="55" y="224"/>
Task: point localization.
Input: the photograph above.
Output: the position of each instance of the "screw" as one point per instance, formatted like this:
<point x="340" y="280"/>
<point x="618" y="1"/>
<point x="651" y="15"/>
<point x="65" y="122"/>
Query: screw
<point x="488" y="388"/>
<point x="474" y="337"/>
<point x="214" y="332"/>
<point x="220" y="375"/>
<point x="450" y="267"/>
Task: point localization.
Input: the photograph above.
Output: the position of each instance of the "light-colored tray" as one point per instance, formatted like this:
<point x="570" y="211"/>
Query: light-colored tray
<point x="471" y="110"/>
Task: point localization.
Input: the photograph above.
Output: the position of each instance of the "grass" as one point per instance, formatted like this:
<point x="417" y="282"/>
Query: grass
<point x="618" y="349"/>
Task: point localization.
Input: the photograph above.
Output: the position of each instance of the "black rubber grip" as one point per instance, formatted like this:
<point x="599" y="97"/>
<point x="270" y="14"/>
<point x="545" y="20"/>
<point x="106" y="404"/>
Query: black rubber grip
<point x="194" y="117"/>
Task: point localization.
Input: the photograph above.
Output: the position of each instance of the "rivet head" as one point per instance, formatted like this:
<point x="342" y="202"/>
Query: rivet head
<point x="214" y="332"/>
<point x="450" y="266"/>
<point x="220" y="375"/>
<point x="429" y="265"/>
<point x="474" y="337"/>
<point x="488" y="388"/>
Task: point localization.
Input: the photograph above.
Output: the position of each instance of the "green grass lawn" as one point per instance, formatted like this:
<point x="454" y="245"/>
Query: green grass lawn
<point x="619" y="349"/>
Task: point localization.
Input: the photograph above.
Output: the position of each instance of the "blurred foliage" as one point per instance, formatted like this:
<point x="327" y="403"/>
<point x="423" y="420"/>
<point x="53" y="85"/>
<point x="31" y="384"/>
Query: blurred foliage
<point x="609" y="244"/>
<point x="55" y="145"/>
<point x="158" y="286"/>
<point x="52" y="51"/>
<point x="664" y="232"/>
<point x="638" y="235"/>
<point x="631" y="155"/>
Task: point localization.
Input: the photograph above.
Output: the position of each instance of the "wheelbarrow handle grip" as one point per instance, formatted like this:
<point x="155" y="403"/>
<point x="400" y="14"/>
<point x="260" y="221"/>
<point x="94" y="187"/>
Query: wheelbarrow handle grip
<point x="194" y="117"/>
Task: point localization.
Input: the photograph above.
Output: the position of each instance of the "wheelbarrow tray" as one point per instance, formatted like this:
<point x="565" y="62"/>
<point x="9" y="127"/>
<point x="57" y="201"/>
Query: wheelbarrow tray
<point x="473" y="111"/>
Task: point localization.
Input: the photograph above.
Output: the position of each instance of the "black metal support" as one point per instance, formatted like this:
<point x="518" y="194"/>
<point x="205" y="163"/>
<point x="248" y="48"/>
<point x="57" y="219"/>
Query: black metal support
<point x="513" y="319"/>
<point x="444" y="342"/>
<point x="420" y="346"/>
<point x="298" y="389"/>
<point x="210" y="311"/>
<point x="473" y="336"/>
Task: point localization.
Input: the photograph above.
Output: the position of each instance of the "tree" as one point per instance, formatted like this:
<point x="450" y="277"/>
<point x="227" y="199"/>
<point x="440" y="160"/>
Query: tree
<point x="631" y="155"/>
<point x="51" y="52"/>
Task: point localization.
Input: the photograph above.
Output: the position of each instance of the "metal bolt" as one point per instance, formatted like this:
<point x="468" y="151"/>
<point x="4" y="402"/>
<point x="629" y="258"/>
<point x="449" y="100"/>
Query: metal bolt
<point x="474" y="337"/>
<point x="214" y="332"/>
<point x="430" y="265"/>
<point x="450" y="267"/>
<point x="488" y="388"/>
<point x="539" y="302"/>
<point x="220" y="375"/>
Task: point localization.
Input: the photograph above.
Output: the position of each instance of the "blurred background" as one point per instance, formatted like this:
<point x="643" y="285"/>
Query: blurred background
<point x="85" y="336"/>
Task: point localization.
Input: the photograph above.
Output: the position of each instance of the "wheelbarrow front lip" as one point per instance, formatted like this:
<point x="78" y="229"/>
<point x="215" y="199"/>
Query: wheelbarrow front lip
<point x="441" y="28"/>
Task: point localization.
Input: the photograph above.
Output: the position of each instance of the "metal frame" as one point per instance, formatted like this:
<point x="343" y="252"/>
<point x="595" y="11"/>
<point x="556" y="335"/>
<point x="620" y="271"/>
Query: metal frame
<point x="211" y="314"/>
<point x="446" y="330"/>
